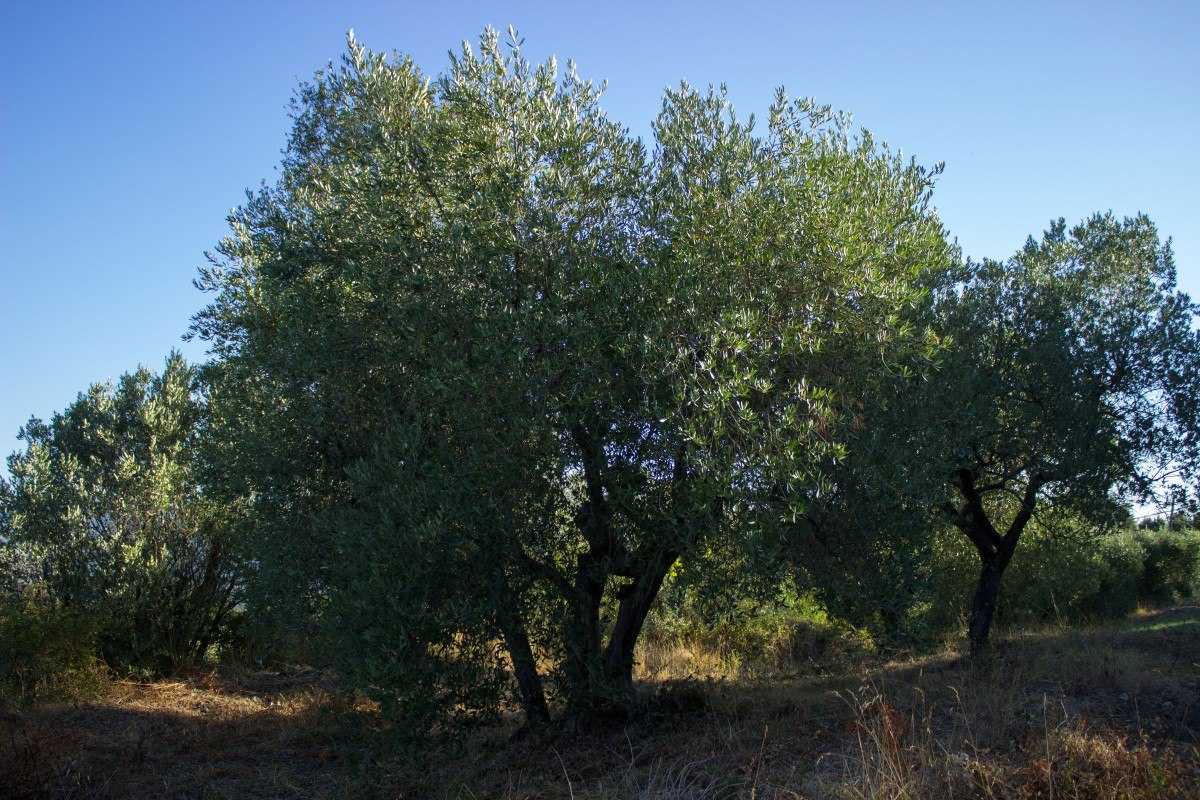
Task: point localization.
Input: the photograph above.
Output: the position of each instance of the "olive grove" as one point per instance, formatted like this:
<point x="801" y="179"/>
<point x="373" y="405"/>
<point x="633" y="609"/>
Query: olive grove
<point x="487" y="372"/>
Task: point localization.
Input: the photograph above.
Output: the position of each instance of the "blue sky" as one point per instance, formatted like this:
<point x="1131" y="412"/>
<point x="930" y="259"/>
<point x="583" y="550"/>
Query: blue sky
<point x="127" y="131"/>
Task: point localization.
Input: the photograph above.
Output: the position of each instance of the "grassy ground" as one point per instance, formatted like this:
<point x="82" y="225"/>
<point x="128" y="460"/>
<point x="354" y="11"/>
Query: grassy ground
<point x="1110" y="712"/>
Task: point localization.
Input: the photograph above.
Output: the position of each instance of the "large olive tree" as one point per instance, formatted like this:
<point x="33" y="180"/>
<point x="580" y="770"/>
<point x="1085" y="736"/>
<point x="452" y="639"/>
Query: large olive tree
<point x="487" y="368"/>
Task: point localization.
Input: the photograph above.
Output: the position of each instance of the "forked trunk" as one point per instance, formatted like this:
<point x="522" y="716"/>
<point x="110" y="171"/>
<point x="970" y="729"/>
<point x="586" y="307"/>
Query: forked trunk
<point x="631" y="617"/>
<point x="995" y="550"/>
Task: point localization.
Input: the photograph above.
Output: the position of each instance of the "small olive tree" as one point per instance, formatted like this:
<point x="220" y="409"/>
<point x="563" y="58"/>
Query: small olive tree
<point x="104" y="518"/>
<point x="1073" y="380"/>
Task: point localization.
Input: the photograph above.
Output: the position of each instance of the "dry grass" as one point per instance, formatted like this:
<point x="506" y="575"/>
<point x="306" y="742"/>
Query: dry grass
<point x="922" y="753"/>
<point x="1104" y="713"/>
<point x="264" y="735"/>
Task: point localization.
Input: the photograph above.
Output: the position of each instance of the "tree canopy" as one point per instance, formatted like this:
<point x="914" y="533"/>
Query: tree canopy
<point x="477" y="329"/>
<point x="1073" y="380"/>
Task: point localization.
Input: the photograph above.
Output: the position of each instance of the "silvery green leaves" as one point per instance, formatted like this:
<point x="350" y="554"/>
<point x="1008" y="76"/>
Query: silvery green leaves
<point x="106" y="512"/>
<point x="796" y="263"/>
<point x="477" y="330"/>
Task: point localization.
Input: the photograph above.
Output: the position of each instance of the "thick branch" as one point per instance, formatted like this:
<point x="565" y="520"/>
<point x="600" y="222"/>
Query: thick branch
<point x="1024" y="513"/>
<point x="548" y="572"/>
<point x="972" y="519"/>
<point x="593" y="518"/>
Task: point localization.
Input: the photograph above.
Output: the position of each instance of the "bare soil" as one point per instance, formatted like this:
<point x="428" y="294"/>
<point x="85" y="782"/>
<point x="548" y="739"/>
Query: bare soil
<point x="1107" y="712"/>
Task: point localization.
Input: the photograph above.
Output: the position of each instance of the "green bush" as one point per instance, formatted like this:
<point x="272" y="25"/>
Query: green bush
<point x="1062" y="577"/>
<point x="1120" y="564"/>
<point x="1062" y="572"/>
<point x="46" y="653"/>
<point x="1050" y="578"/>
<point x="1172" y="568"/>
<point x="753" y="632"/>
<point x="104" y="510"/>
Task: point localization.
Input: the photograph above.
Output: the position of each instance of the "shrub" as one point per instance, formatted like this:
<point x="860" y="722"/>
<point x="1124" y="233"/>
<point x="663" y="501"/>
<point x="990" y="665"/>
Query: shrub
<point x="1053" y="579"/>
<point x="1172" y="567"/>
<point x="1074" y="579"/>
<point x="104" y="510"/>
<point x="46" y="653"/>
<point x="1060" y="574"/>
<point x="1120" y="563"/>
<point x="746" y="634"/>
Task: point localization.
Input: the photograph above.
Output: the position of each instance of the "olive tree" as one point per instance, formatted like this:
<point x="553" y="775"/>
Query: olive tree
<point x="486" y="367"/>
<point x="1072" y="381"/>
<point x="104" y="517"/>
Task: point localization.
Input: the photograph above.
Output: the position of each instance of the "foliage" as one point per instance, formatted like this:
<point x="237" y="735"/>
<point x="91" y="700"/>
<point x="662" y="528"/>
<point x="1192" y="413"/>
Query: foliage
<point x="746" y="633"/>
<point x="46" y="653"/>
<point x="1121" y="562"/>
<point x="1067" y="571"/>
<point x="1172" y="566"/>
<point x="476" y="330"/>
<point x="105" y="516"/>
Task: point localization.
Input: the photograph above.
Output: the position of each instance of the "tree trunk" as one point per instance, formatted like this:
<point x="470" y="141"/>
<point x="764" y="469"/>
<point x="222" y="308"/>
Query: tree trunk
<point x="631" y="616"/>
<point x="529" y="683"/>
<point x="995" y="551"/>
<point x="983" y="607"/>
<point x="585" y="674"/>
<point x="585" y="668"/>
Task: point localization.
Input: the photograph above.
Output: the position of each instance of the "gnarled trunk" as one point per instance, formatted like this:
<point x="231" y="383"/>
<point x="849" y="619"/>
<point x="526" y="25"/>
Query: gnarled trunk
<point x="631" y="617"/>
<point x="584" y="657"/>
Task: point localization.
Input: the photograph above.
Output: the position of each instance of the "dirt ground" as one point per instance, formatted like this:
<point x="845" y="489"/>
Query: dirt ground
<point x="1110" y="712"/>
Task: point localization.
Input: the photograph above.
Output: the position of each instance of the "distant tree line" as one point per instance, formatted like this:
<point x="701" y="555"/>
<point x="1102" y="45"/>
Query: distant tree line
<point x="487" y="371"/>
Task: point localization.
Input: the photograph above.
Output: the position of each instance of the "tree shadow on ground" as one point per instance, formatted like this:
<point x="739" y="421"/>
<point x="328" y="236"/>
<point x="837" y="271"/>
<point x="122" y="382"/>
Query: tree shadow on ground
<point x="285" y="735"/>
<point x="267" y="736"/>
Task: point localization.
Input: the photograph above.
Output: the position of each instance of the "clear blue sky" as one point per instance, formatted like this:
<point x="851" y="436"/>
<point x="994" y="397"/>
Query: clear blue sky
<point x="127" y="131"/>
